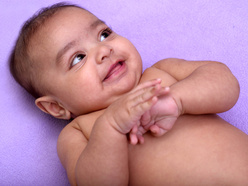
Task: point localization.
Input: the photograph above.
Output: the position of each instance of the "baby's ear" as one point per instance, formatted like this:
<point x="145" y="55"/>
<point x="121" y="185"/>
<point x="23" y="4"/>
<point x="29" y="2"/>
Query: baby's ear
<point x="48" y="105"/>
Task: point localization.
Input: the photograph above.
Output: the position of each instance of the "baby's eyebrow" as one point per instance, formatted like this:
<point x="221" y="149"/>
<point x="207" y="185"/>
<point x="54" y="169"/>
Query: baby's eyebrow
<point x="73" y="43"/>
<point x="63" y="50"/>
<point x="96" y="23"/>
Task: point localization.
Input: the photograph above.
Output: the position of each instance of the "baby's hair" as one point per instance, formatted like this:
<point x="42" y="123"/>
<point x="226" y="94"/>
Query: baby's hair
<point x="22" y="67"/>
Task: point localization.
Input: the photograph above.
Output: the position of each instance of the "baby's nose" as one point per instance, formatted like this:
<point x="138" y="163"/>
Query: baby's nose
<point x="103" y="53"/>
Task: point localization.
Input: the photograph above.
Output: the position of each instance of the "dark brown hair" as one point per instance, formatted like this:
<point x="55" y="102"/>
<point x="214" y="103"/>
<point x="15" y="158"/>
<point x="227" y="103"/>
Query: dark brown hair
<point x="22" y="68"/>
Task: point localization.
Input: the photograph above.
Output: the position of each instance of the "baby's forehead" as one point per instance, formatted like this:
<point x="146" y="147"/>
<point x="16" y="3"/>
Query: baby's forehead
<point x="59" y="27"/>
<point x="66" y="14"/>
<point x="70" y="11"/>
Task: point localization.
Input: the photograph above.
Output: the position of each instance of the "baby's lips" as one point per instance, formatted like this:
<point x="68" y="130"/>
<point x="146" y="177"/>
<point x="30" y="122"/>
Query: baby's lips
<point x="115" y="67"/>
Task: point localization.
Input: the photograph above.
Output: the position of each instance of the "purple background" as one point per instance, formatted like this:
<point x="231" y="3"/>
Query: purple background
<point x="189" y="29"/>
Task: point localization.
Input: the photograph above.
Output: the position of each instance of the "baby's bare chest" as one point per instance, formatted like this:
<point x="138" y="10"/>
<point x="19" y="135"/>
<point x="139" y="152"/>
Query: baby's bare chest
<point x="174" y="155"/>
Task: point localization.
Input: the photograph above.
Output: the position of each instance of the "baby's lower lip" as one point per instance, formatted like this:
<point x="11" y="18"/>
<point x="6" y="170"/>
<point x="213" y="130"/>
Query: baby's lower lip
<point x="116" y="71"/>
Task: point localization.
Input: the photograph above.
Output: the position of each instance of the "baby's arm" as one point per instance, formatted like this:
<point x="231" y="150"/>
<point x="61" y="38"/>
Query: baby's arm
<point x="196" y="87"/>
<point x="103" y="159"/>
<point x="202" y="87"/>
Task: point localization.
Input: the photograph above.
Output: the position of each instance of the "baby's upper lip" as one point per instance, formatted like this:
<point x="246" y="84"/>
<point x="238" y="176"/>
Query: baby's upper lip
<point x="112" y="68"/>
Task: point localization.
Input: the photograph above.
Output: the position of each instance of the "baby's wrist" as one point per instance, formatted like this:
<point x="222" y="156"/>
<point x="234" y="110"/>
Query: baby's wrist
<point x="178" y="102"/>
<point x="110" y="121"/>
<point x="107" y="133"/>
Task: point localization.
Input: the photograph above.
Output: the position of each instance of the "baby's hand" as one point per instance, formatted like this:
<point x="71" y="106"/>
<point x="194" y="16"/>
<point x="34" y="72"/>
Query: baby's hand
<point x="161" y="117"/>
<point x="125" y="113"/>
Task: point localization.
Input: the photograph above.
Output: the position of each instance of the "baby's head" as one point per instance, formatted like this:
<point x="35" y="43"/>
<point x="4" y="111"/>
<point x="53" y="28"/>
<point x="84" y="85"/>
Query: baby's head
<point x="72" y="62"/>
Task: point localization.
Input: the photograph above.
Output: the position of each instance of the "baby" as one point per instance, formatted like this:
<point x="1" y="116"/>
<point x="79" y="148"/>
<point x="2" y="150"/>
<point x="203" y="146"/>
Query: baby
<point x="129" y="128"/>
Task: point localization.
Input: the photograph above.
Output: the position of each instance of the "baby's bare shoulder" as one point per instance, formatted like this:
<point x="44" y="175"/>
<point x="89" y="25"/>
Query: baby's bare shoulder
<point x="80" y="127"/>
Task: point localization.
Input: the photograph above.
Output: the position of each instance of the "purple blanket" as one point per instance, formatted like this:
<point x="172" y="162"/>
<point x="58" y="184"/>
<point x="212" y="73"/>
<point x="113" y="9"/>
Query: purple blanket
<point x="189" y="29"/>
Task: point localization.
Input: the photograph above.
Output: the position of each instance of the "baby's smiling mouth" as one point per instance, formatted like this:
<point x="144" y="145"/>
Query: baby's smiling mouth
<point x="114" y="69"/>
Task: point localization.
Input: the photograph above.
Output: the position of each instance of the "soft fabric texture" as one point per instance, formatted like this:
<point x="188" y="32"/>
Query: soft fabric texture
<point x="193" y="30"/>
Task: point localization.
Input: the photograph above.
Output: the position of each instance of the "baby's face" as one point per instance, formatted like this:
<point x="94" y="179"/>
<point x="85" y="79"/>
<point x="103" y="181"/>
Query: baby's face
<point x="85" y="65"/>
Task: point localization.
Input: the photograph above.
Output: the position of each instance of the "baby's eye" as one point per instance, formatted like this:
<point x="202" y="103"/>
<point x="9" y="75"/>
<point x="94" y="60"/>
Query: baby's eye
<point x="77" y="59"/>
<point x="105" y="33"/>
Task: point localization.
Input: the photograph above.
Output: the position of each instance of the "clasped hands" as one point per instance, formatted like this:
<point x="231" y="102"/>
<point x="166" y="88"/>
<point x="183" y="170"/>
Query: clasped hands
<point x="148" y="107"/>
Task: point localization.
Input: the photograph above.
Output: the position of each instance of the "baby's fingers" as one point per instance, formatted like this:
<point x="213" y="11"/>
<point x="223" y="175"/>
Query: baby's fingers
<point x="133" y="139"/>
<point x="136" y="138"/>
<point x="148" y="84"/>
<point x="133" y="135"/>
<point x="146" y="95"/>
<point x="144" y="104"/>
<point x="157" y="131"/>
<point x="141" y="139"/>
<point x="163" y="91"/>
